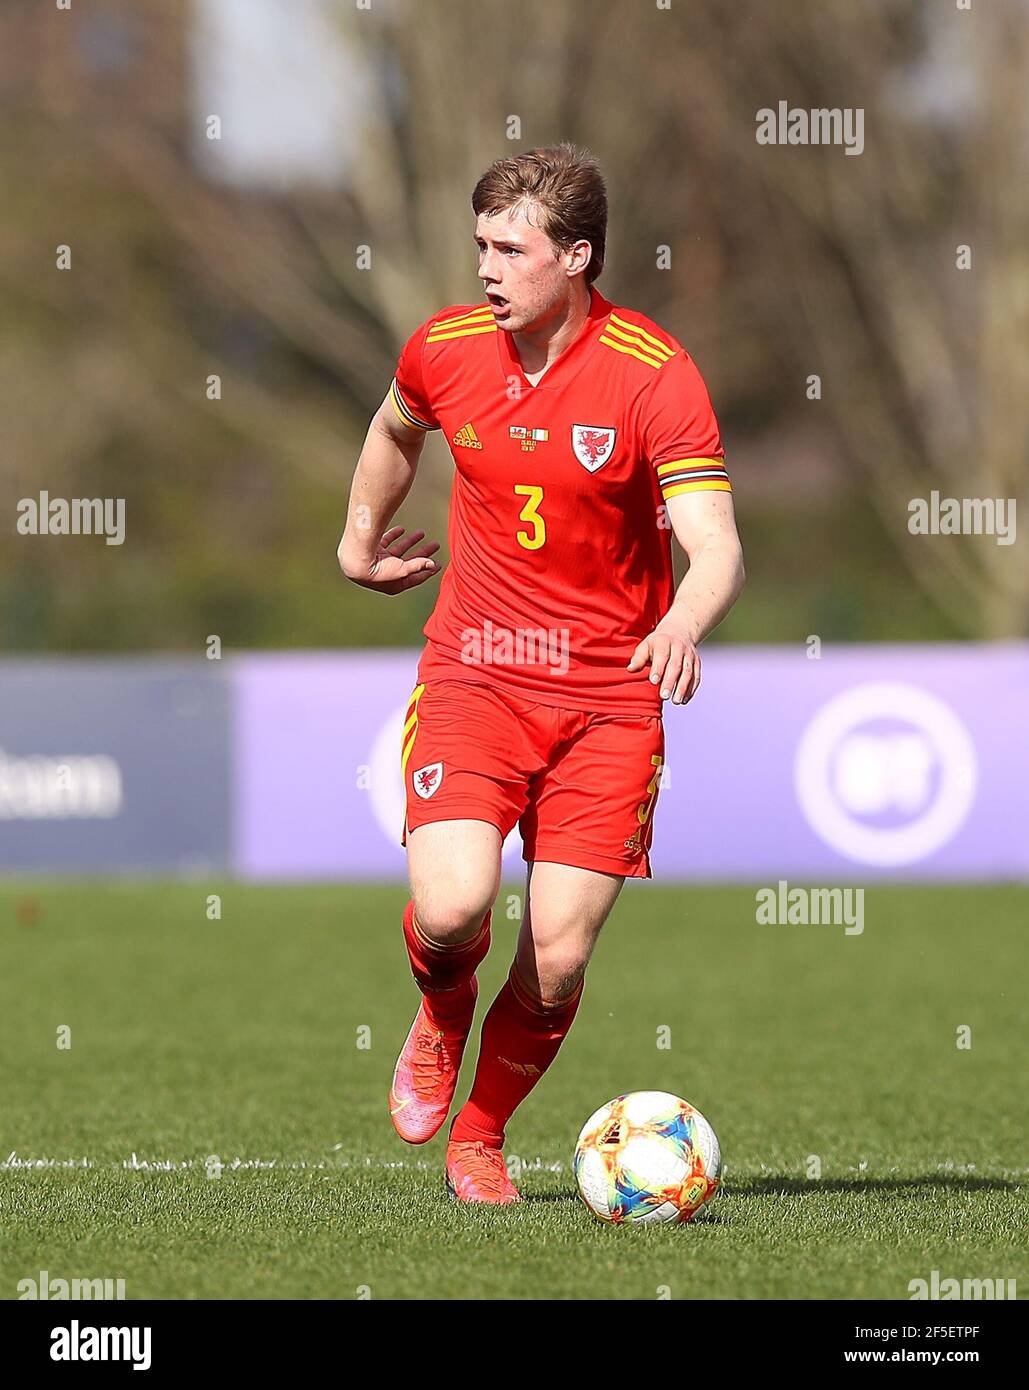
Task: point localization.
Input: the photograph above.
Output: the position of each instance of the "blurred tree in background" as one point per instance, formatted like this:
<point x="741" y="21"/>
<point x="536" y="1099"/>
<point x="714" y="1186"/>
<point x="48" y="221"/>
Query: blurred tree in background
<point x="781" y="263"/>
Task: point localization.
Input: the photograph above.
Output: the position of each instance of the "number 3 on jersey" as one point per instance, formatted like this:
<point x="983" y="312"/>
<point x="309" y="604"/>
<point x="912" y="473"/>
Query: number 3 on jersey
<point x="529" y="513"/>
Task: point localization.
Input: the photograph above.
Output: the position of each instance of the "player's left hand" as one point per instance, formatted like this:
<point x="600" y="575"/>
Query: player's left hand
<point x="673" y="659"/>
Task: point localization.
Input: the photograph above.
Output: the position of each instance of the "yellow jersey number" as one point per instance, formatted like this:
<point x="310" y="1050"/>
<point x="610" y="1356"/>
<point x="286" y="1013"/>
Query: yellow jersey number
<point x="531" y="540"/>
<point x="643" y="811"/>
<point x="635" y="840"/>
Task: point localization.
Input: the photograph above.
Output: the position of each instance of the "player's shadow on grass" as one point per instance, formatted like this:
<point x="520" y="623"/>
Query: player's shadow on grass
<point x="792" y="1186"/>
<point x="808" y="1187"/>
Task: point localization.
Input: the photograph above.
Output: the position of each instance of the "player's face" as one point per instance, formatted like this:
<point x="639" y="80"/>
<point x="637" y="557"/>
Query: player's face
<point x="523" y="273"/>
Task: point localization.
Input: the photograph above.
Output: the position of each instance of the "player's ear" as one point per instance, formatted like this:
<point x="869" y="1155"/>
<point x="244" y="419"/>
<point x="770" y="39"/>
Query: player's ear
<point x="579" y="256"/>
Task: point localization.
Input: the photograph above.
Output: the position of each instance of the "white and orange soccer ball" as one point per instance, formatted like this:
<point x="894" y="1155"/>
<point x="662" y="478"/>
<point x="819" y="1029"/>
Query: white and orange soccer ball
<point x="647" y="1157"/>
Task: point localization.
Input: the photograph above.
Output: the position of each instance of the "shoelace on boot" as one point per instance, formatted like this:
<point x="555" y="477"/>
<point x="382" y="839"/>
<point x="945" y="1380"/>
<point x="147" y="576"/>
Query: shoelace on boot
<point x="430" y="1063"/>
<point x="493" y="1177"/>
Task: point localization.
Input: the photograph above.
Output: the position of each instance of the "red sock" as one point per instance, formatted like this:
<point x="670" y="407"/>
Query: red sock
<point x="521" y="1036"/>
<point x="443" y="973"/>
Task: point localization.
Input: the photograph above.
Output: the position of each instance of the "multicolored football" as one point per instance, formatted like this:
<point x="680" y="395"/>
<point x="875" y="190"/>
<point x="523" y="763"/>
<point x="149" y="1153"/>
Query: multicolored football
<point x="646" y="1156"/>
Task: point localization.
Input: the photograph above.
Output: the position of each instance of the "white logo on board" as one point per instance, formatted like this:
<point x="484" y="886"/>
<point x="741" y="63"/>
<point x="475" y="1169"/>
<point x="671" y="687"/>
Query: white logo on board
<point x="885" y="773"/>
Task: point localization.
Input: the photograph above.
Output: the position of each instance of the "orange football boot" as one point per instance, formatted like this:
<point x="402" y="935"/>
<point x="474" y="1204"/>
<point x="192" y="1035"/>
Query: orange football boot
<point x="476" y="1173"/>
<point x="425" y="1077"/>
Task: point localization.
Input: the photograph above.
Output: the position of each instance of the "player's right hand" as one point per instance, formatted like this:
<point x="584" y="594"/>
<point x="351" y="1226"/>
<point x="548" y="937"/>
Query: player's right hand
<point x="399" y="563"/>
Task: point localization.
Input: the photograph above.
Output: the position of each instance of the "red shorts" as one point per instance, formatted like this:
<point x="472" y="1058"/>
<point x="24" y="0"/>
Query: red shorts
<point x="581" y="787"/>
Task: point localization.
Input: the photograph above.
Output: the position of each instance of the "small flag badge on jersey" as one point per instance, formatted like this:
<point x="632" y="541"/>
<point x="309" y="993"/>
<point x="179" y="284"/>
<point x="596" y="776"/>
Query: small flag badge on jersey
<point x="428" y="780"/>
<point x="529" y="438"/>
<point x="593" y="445"/>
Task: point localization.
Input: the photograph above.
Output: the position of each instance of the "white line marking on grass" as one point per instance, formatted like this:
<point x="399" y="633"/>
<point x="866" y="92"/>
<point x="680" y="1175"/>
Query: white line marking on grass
<point x="14" y="1162"/>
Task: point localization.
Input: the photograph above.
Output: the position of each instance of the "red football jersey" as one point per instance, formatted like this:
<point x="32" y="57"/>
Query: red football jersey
<point x="560" y="546"/>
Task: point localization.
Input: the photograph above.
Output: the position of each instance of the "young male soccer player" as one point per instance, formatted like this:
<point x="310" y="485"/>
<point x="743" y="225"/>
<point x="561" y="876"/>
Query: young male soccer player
<point x="580" y="432"/>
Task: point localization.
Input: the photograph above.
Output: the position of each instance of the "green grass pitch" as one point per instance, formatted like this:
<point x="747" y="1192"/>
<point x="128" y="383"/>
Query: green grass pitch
<point x="239" y="1038"/>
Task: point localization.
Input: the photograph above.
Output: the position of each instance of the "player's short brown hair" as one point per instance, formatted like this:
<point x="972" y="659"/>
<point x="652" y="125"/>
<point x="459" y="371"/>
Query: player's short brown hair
<point x="567" y="186"/>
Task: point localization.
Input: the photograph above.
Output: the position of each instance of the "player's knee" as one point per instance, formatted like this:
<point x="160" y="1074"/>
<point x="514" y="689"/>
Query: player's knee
<point x="562" y="938"/>
<point x="453" y="917"/>
<point x="558" y="968"/>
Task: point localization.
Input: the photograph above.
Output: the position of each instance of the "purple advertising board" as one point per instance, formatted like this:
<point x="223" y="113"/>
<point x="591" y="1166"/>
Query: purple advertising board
<point x="857" y="762"/>
<point x="114" y="765"/>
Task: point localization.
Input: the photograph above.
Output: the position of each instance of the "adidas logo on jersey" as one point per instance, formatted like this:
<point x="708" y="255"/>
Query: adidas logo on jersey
<point x="467" y="438"/>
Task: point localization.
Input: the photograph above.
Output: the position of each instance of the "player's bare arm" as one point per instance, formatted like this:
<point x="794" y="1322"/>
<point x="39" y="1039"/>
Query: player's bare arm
<point x="373" y="553"/>
<point x="704" y="524"/>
